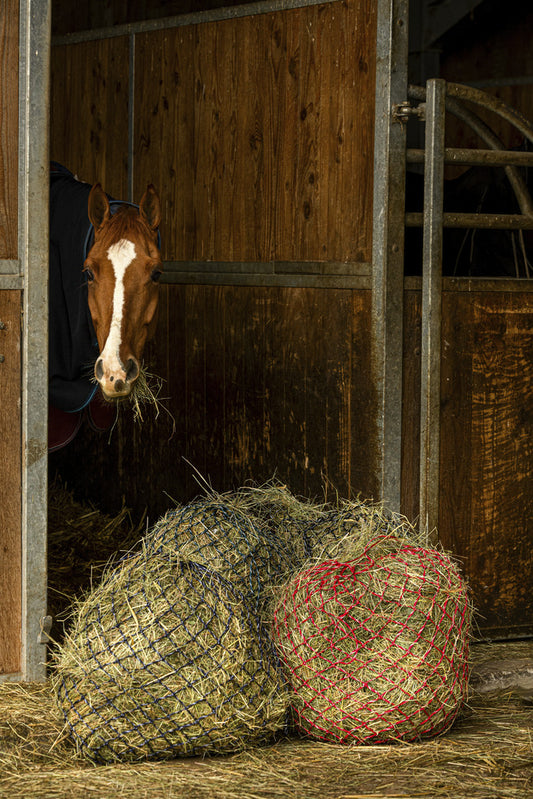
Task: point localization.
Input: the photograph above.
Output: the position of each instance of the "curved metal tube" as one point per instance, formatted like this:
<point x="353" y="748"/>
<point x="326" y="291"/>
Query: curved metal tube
<point x="456" y="93"/>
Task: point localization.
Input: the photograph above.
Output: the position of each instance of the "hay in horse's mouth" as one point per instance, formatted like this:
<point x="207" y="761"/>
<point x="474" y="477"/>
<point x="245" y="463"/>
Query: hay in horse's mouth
<point x="145" y="392"/>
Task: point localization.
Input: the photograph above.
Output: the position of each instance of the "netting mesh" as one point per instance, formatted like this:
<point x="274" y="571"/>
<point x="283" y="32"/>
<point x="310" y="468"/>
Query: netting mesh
<point x="238" y="606"/>
<point x="167" y="658"/>
<point x="238" y="546"/>
<point x="376" y="647"/>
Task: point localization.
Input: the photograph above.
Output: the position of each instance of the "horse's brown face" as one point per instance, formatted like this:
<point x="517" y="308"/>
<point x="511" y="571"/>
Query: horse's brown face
<point x="123" y="269"/>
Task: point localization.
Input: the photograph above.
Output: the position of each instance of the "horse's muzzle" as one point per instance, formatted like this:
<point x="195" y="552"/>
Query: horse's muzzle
<point x="116" y="383"/>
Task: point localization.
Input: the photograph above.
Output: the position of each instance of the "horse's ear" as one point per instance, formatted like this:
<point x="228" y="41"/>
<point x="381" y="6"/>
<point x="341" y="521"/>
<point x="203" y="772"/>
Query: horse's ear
<point x="150" y="207"/>
<point x="99" y="211"/>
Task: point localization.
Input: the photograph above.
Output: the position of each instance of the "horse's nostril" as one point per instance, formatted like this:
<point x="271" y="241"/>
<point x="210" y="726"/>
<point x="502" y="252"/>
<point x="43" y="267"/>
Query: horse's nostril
<point x="99" y="369"/>
<point x="132" y="371"/>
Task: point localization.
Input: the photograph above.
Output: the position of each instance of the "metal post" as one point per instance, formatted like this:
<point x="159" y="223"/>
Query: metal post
<point x="33" y="253"/>
<point x="388" y="242"/>
<point x="431" y="308"/>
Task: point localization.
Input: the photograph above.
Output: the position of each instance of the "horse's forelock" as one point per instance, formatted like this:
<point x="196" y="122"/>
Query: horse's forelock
<point x="125" y="223"/>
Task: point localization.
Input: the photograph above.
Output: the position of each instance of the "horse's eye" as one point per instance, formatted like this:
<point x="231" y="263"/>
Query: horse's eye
<point x="89" y="274"/>
<point x="156" y="274"/>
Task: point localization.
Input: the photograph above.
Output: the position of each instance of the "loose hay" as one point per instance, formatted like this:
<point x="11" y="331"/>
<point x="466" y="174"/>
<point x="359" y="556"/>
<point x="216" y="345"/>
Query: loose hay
<point x="165" y="658"/>
<point x="81" y="541"/>
<point x="376" y="645"/>
<point x="312" y="529"/>
<point x="283" y="514"/>
<point x="488" y="753"/>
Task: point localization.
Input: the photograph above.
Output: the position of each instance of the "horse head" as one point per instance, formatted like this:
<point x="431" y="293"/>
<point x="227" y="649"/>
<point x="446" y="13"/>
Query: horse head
<point x="123" y="268"/>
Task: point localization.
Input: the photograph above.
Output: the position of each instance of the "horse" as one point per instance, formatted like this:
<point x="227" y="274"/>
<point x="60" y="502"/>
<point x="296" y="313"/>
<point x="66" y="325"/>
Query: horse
<point x="104" y="269"/>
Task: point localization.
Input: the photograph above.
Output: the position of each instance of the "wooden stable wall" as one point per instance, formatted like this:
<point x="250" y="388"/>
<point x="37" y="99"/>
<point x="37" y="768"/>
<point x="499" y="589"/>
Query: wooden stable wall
<point x="494" y="53"/>
<point x="10" y="350"/>
<point x="259" y="132"/>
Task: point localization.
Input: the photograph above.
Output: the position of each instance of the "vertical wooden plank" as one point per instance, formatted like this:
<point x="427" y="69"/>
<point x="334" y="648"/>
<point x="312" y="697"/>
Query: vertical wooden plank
<point x="411" y="404"/>
<point x="456" y="422"/>
<point x="9" y="48"/>
<point x="89" y="111"/>
<point x="260" y="136"/>
<point x="10" y="481"/>
<point x="363" y="477"/>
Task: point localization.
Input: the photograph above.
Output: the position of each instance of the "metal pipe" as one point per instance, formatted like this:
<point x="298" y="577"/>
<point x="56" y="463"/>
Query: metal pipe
<point x="388" y="244"/>
<point x="470" y="157"/>
<point x="431" y="309"/>
<point x="457" y="108"/>
<point x="34" y="73"/>
<point x="492" y="103"/>
<point x="481" y="221"/>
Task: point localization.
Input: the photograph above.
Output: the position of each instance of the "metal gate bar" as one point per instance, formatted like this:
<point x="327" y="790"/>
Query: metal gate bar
<point x="33" y="254"/>
<point x="431" y="308"/>
<point x="388" y="243"/>
<point x="433" y="220"/>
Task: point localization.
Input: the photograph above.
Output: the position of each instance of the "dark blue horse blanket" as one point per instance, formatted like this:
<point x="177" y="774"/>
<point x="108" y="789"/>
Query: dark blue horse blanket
<point x="73" y="347"/>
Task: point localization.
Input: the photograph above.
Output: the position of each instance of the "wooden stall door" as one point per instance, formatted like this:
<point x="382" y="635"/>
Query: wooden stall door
<point x="486" y="505"/>
<point x="486" y="458"/>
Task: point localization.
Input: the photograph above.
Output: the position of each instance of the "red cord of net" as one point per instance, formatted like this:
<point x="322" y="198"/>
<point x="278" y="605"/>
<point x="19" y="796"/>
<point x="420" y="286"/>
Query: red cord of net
<point x="376" y="648"/>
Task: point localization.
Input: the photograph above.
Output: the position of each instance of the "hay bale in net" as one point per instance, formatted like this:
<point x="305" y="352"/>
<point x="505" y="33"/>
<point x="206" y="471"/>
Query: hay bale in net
<point x="283" y="514"/>
<point x="312" y="530"/>
<point x="354" y="523"/>
<point x="166" y="658"/>
<point x="376" y="646"/>
<point x="233" y="543"/>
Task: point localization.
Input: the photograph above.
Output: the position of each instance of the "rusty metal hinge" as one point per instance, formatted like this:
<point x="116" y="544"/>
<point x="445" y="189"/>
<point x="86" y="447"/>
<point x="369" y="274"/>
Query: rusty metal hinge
<point x="402" y="112"/>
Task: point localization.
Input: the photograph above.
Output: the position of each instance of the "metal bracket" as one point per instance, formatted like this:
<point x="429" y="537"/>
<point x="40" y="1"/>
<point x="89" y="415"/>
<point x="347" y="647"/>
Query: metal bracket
<point x="402" y="112"/>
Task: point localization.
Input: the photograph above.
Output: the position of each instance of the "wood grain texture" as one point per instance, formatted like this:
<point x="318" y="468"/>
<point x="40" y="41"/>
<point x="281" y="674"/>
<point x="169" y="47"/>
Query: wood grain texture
<point x="260" y="382"/>
<point x="487" y="451"/>
<point x="92" y="14"/>
<point x="411" y="386"/>
<point x="89" y="112"/>
<point x="9" y="112"/>
<point x="10" y="482"/>
<point x="259" y="134"/>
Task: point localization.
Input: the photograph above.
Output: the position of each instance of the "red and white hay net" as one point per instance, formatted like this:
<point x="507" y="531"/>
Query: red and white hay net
<point x="376" y="648"/>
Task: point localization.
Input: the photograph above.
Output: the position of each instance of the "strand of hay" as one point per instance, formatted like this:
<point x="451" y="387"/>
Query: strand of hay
<point x="166" y="658"/>
<point x="376" y="642"/>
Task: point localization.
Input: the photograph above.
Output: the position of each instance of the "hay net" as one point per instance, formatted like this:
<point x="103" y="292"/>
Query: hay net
<point x="240" y="606"/>
<point x="216" y="532"/>
<point x="165" y="658"/>
<point x="375" y="643"/>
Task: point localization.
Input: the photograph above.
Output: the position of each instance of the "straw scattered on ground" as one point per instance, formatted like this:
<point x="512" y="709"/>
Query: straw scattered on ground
<point x="488" y="754"/>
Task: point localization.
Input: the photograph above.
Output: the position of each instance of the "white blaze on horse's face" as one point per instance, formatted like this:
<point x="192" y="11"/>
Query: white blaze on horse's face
<point x="123" y="269"/>
<point x="114" y="375"/>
